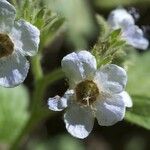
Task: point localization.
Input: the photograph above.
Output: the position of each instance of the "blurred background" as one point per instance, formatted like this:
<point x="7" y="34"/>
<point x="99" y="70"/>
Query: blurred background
<point x="80" y="31"/>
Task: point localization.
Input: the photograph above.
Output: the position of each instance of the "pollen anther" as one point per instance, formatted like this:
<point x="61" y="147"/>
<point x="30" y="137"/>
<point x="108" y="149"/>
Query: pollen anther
<point x="6" y="45"/>
<point x="86" y="92"/>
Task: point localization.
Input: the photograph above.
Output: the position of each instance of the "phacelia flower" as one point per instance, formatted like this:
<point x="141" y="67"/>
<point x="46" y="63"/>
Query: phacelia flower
<point x="17" y="40"/>
<point x="92" y="93"/>
<point x="120" y="18"/>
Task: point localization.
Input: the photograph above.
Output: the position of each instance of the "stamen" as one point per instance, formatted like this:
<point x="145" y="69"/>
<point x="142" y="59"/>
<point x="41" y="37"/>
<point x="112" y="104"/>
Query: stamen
<point x="86" y="92"/>
<point x="87" y="100"/>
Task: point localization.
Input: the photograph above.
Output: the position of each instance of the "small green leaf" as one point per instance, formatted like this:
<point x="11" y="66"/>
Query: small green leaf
<point x="51" y="30"/>
<point x="103" y="25"/>
<point x="115" y="33"/>
<point x="39" y="18"/>
<point x="13" y="112"/>
<point x="106" y="49"/>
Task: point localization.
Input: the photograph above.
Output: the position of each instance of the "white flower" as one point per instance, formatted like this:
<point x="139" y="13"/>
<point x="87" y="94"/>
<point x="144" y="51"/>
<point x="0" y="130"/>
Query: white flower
<point x="17" y="40"/>
<point x="92" y="93"/>
<point x="120" y="18"/>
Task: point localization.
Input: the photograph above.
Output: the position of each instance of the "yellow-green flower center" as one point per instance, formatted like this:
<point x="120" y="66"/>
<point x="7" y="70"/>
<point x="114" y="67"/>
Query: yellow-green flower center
<point x="6" y="45"/>
<point x="86" y="92"/>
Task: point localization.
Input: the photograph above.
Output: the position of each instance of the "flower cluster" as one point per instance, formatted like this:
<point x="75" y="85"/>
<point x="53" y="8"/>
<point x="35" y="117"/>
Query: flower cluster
<point x="120" y="18"/>
<point x="92" y="93"/>
<point x="17" y="40"/>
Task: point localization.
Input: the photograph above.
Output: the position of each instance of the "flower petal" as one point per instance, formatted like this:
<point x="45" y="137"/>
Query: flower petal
<point x="58" y="103"/>
<point x="118" y="16"/>
<point x="79" y="121"/>
<point x="26" y="37"/>
<point x="88" y="63"/>
<point x="7" y="16"/>
<point x="110" y="110"/>
<point x="13" y="70"/>
<point x="135" y="37"/>
<point x="112" y="78"/>
<point x="79" y="65"/>
<point x="127" y="99"/>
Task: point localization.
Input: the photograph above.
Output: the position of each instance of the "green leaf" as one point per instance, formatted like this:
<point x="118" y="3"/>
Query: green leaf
<point x="79" y="19"/>
<point x="103" y="25"/>
<point x="140" y="112"/>
<point x="39" y="18"/>
<point x="139" y="87"/>
<point x="13" y="112"/>
<point x="139" y="74"/>
<point x="51" y="30"/>
<point x="106" y="49"/>
<point x="115" y="33"/>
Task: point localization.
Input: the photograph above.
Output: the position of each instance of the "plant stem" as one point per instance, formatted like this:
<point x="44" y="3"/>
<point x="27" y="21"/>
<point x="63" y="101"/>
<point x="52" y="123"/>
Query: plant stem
<point x="36" y="67"/>
<point x="38" y="112"/>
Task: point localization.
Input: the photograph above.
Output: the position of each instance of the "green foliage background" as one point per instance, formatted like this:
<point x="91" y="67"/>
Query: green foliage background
<point x="68" y="25"/>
